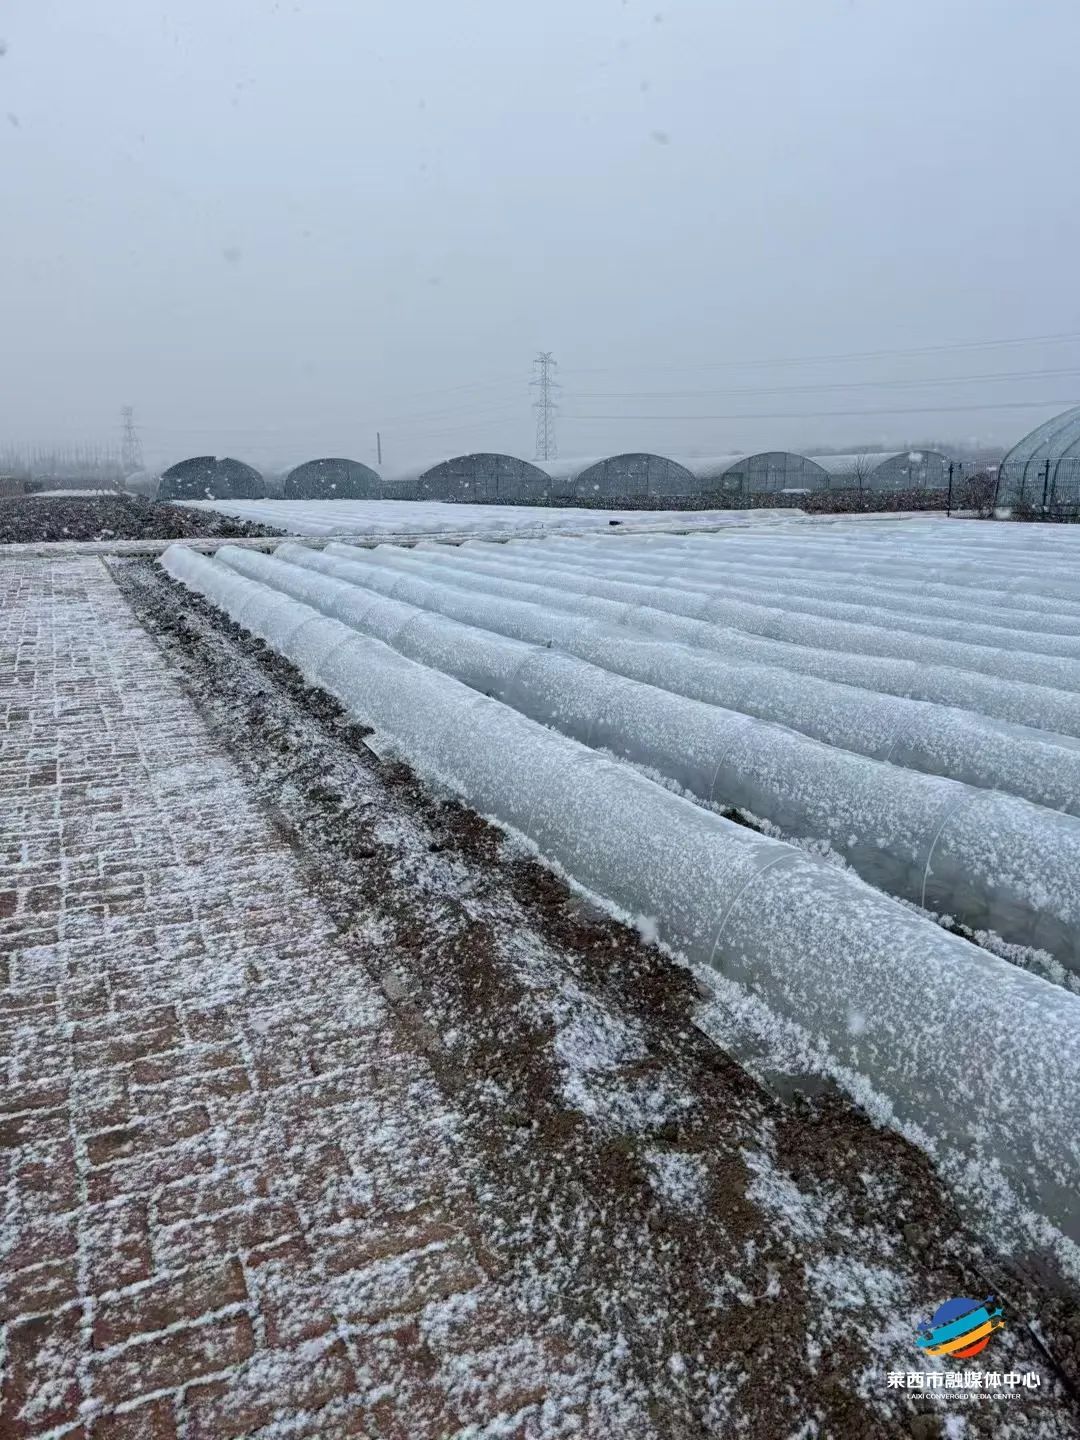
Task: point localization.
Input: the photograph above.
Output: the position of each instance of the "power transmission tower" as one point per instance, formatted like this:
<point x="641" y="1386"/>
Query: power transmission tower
<point x="544" y="365"/>
<point x="131" y="456"/>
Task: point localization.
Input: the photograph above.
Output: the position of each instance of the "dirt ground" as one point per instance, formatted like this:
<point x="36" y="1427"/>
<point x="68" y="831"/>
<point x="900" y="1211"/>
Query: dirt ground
<point x="742" y="1262"/>
<point x="30" y="519"/>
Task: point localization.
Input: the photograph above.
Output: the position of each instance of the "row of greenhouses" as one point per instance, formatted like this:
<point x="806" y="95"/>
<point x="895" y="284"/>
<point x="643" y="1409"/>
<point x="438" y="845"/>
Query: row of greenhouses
<point x="1042" y="470"/>
<point x="489" y="477"/>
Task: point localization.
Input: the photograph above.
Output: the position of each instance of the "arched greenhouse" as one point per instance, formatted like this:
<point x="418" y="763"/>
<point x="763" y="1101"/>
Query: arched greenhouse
<point x="332" y="479"/>
<point x="205" y="477"/>
<point x="898" y="470"/>
<point x="1044" y="467"/>
<point x="485" y="477"/>
<point x="245" y="482"/>
<point x="765" y="473"/>
<point x="632" y="475"/>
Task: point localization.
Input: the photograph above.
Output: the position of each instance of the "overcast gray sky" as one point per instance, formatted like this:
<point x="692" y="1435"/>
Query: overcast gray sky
<point x="274" y="226"/>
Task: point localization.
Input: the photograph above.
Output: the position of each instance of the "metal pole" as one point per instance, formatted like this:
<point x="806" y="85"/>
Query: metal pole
<point x="948" y="503"/>
<point x="378" y="445"/>
<point x="1046" y="483"/>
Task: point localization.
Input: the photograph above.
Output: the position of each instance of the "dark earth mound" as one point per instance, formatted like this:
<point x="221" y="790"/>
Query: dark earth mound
<point x="816" y="502"/>
<point x="32" y="519"/>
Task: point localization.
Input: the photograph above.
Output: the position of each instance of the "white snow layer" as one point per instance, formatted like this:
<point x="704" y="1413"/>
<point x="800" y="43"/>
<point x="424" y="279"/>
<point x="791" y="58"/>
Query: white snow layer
<point x="979" y="1059"/>
<point x="920" y="735"/>
<point x="994" y="861"/>
<point x="995" y="694"/>
<point x="440" y="517"/>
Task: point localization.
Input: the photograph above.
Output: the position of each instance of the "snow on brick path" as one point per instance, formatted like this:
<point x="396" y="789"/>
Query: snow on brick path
<point x="226" y="1200"/>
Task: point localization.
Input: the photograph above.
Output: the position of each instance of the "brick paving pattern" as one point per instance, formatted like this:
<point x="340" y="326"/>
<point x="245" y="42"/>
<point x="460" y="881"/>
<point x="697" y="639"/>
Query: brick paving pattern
<point x="230" y="1187"/>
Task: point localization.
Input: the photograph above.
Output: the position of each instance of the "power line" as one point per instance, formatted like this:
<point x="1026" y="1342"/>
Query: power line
<point x="544" y="364"/>
<point x="827" y="414"/>
<point x="913" y="384"/>
<point x="1065" y="336"/>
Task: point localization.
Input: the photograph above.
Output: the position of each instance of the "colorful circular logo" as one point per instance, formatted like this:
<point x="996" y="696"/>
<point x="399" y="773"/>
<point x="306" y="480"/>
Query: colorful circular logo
<point x="960" y="1328"/>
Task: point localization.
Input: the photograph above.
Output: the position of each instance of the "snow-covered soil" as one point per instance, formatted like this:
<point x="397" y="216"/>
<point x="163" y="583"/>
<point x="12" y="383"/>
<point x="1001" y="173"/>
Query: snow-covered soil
<point x="91" y="518"/>
<point x="436" y="517"/>
<point x="329" y="1112"/>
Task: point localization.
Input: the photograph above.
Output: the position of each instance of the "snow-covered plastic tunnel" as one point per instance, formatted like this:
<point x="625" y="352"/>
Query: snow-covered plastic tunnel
<point x="691" y="580"/>
<point x="956" y="1045"/>
<point x="1021" y="702"/>
<point x="989" y="859"/>
<point x="922" y="562"/>
<point x="907" y="549"/>
<point x="936" y="739"/>
<point x="720" y="607"/>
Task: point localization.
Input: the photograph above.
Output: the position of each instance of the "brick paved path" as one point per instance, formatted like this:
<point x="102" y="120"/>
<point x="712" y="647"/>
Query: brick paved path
<point x="230" y="1187"/>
